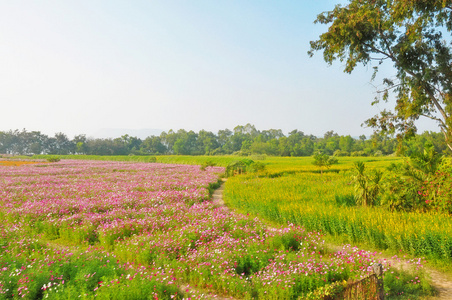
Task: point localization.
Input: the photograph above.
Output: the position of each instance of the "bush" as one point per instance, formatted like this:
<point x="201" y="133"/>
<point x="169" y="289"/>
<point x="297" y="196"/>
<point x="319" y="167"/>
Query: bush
<point x="358" y="153"/>
<point x="53" y="159"/>
<point x="217" y="151"/>
<point x="238" y="167"/>
<point x="206" y="164"/>
<point x="258" y="157"/>
<point x="324" y="161"/>
<point x="401" y="190"/>
<point x="378" y="153"/>
<point x="367" y="187"/>
<point x="244" y="166"/>
<point x="151" y="159"/>
<point x="256" y="167"/>
<point x="421" y="184"/>
<point x="241" y="153"/>
<point x="341" y="153"/>
<point x="345" y="200"/>
<point x="437" y="192"/>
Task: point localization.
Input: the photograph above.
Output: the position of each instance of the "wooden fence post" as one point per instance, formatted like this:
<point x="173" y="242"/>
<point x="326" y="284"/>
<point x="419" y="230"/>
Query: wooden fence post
<point x="378" y="270"/>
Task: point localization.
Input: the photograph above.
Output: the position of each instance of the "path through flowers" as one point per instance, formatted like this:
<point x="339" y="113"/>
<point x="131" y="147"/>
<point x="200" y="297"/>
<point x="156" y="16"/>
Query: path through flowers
<point x="81" y="229"/>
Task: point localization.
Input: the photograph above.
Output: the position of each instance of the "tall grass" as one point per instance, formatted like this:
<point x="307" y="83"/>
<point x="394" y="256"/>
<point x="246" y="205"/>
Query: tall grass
<point x="325" y="203"/>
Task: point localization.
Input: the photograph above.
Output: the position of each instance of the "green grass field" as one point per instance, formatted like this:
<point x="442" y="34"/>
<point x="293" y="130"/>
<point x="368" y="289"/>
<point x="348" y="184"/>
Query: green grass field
<point x="292" y="191"/>
<point x="113" y="230"/>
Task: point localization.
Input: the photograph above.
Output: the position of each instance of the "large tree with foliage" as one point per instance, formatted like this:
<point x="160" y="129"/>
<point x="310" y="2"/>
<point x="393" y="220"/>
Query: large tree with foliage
<point x="414" y="36"/>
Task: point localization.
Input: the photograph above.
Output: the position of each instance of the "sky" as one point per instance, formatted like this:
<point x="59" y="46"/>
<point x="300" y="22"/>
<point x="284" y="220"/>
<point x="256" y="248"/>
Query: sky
<point x="110" y="67"/>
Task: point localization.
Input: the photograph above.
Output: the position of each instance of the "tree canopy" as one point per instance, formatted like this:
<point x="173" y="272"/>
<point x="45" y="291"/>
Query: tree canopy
<point x="239" y="142"/>
<point x="412" y="35"/>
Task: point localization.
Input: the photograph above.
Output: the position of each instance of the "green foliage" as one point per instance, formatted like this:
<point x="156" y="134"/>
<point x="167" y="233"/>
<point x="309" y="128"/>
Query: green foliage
<point x="295" y="196"/>
<point x="410" y="35"/>
<point x="244" y="166"/>
<point x="345" y="200"/>
<point x="238" y="167"/>
<point x="213" y="186"/>
<point x="244" y="141"/>
<point x="358" y="153"/>
<point x="401" y="189"/>
<point x="323" y="161"/>
<point x="285" y="242"/>
<point x="326" y="203"/>
<point x="341" y="153"/>
<point x="415" y="184"/>
<point x="367" y="187"/>
<point x="438" y="190"/>
<point x="53" y="159"/>
<point x="415" y="284"/>
<point x="331" y="291"/>
<point x="256" y="167"/>
<point x="206" y="164"/>
<point x="428" y="161"/>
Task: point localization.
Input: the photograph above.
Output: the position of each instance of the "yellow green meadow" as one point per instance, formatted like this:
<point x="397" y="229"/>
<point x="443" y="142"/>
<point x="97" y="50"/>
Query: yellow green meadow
<point x="295" y="192"/>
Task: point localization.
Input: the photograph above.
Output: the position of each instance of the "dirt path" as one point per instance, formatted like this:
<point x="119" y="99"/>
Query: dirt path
<point x="441" y="282"/>
<point x="217" y="196"/>
<point x="217" y="199"/>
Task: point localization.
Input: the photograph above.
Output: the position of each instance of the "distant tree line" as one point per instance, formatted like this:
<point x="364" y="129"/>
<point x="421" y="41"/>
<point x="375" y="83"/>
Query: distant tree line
<point x="243" y="140"/>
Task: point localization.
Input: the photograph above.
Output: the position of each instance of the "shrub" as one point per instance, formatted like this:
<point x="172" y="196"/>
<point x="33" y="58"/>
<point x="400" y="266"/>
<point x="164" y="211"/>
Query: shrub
<point x="417" y="185"/>
<point x="358" y="153"/>
<point x="238" y="167"/>
<point x="151" y="159"/>
<point x="258" y="157"/>
<point x="341" y="153"/>
<point x="256" y="167"/>
<point x="206" y="164"/>
<point x="53" y="159"/>
<point x="244" y="166"/>
<point x="345" y="200"/>
<point x="217" y="151"/>
<point x="323" y="161"/>
<point x="367" y="187"/>
<point x="437" y="192"/>
<point x="400" y="190"/>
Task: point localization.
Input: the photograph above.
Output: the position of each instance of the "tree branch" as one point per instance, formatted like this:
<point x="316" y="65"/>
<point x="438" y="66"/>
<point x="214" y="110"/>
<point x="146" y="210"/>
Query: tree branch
<point x="427" y="90"/>
<point x="388" y="89"/>
<point x="442" y="124"/>
<point x="436" y="102"/>
<point x="446" y="138"/>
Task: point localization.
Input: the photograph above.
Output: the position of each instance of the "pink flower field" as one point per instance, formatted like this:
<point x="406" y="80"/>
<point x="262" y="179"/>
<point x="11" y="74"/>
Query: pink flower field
<point x="116" y="230"/>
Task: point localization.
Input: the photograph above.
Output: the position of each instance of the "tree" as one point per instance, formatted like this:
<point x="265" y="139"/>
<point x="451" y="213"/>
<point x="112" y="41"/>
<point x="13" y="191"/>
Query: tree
<point x="62" y="143"/>
<point x="408" y="34"/>
<point x="323" y="161"/>
<point x="168" y="139"/>
<point x="80" y="143"/>
<point x="131" y="142"/>
<point x="346" y="143"/>
<point x="367" y="188"/>
<point x="36" y="141"/>
<point x="207" y="142"/>
<point x="153" y="145"/>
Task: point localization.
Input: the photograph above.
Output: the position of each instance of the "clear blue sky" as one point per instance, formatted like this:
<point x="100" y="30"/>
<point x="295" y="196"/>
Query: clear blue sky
<point x="80" y="66"/>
